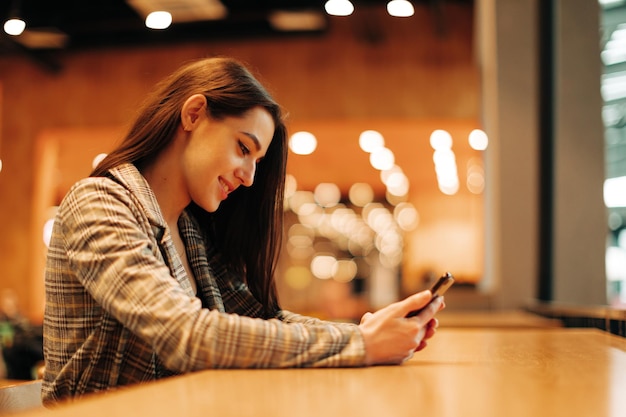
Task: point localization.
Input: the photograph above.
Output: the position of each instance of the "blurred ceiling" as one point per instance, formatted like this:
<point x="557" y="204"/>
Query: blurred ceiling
<point x="62" y="25"/>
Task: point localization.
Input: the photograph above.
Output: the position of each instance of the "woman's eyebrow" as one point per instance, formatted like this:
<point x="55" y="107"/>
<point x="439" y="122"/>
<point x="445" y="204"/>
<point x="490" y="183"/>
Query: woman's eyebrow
<point x="254" y="139"/>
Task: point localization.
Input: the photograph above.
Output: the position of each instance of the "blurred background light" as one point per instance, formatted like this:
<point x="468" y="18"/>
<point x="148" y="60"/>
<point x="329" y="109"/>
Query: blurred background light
<point x="327" y="194"/>
<point x="614" y="194"/>
<point x="322" y="266"/>
<point x="344" y="270"/>
<point x="440" y="139"/>
<point x="406" y="216"/>
<point x="159" y="20"/>
<point x="14" y="27"/>
<point x="360" y="194"/>
<point x="339" y="7"/>
<point x="478" y="140"/>
<point x="298" y="277"/>
<point x="400" y="8"/>
<point x="369" y="140"/>
<point x="398" y="184"/>
<point x="382" y="158"/>
<point x="303" y="143"/>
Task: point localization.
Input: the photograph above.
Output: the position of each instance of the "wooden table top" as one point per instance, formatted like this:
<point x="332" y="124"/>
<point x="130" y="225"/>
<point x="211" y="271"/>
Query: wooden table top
<point x="464" y="372"/>
<point x="501" y="318"/>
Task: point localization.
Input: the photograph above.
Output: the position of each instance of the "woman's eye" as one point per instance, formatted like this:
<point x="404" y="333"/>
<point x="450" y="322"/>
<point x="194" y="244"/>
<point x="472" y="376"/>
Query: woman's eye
<point x="244" y="148"/>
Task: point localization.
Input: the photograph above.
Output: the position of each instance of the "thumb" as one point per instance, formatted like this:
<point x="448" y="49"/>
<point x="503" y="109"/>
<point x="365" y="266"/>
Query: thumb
<point x="413" y="302"/>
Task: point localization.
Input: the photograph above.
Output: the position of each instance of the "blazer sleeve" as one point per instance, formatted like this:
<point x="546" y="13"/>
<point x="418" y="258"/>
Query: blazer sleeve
<point x="113" y="257"/>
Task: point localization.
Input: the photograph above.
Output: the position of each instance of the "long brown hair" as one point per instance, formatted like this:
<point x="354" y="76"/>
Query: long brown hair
<point x="247" y="227"/>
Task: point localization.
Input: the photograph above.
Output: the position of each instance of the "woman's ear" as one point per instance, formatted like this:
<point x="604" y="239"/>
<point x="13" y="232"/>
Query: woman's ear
<point x="194" y="109"/>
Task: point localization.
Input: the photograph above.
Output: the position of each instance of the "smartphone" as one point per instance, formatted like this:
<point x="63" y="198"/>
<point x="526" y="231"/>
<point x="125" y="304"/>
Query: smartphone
<point x="438" y="288"/>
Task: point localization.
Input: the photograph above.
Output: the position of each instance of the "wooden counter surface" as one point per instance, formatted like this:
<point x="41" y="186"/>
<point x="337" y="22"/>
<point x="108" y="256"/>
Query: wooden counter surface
<point x="464" y="372"/>
<point x="513" y="319"/>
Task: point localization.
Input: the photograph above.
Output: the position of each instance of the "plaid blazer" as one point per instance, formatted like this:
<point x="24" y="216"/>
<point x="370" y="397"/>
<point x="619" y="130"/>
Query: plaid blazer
<point x="120" y="309"/>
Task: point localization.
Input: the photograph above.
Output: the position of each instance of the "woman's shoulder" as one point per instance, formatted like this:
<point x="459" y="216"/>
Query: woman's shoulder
<point x="116" y="192"/>
<point x="94" y="186"/>
<point x="99" y="201"/>
<point x="124" y="180"/>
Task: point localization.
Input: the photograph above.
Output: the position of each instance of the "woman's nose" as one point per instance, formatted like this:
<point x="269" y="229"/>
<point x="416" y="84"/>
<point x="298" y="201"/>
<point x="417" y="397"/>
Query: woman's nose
<point x="246" y="173"/>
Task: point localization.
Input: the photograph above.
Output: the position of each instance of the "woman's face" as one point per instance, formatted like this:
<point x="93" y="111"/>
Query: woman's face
<point x="221" y="155"/>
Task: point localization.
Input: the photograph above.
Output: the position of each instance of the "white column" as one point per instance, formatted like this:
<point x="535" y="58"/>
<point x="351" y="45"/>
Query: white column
<point x="507" y="43"/>
<point x="580" y="224"/>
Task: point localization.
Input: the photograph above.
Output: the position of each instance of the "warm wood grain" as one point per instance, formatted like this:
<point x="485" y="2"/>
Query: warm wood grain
<point x="464" y="372"/>
<point x="507" y="319"/>
<point x="17" y="396"/>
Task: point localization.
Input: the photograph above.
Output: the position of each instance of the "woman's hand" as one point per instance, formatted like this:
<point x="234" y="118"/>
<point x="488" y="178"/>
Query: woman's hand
<point x="390" y="338"/>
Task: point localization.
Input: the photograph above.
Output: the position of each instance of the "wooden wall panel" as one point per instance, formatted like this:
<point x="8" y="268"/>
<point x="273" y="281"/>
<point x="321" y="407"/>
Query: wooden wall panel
<point x="368" y="66"/>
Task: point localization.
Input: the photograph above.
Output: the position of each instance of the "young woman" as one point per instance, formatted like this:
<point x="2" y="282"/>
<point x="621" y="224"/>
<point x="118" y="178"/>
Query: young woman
<point x="162" y="261"/>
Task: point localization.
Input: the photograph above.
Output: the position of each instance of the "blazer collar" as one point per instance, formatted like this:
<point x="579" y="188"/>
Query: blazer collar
<point x="129" y="176"/>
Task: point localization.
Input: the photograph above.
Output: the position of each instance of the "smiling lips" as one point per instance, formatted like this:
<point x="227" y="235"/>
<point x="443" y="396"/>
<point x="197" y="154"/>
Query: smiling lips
<point x="227" y="187"/>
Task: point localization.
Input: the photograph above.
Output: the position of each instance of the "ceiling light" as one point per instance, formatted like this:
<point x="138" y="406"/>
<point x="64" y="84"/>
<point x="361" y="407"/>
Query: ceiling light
<point x="339" y="7"/>
<point x="400" y="8"/>
<point x="14" y="26"/>
<point x="159" y="20"/>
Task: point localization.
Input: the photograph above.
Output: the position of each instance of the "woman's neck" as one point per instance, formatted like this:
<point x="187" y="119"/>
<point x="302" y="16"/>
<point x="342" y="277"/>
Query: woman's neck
<point x="165" y="178"/>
